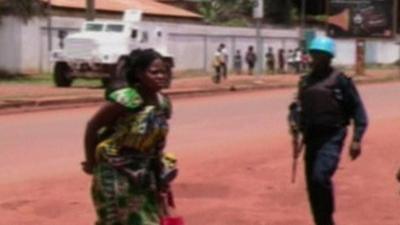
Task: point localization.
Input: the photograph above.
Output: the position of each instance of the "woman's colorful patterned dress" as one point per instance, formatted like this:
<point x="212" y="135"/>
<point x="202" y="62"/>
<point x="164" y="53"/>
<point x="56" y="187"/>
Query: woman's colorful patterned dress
<point x="125" y="178"/>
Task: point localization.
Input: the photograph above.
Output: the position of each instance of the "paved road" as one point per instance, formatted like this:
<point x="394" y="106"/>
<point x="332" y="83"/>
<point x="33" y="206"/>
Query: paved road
<point x="235" y="161"/>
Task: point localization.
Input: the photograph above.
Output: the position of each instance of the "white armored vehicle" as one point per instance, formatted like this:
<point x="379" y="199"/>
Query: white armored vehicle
<point x="100" y="46"/>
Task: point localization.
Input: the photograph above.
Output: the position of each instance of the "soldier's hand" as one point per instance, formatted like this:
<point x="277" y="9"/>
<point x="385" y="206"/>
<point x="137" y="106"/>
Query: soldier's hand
<point x="297" y="147"/>
<point x="355" y="150"/>
<point x="398" y="175"/>
<point x="296" y="152"/>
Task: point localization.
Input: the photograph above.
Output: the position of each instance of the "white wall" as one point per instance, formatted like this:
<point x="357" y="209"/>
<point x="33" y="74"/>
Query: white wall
<point x="194" y="45"/>
<point x="387" y="51"/>
<point x="24" y="47"/>
<point x="31" y="47"/>
<point x="10" y="45"/>
<point x="345" y="52"/>
<point x="71" y="25"/>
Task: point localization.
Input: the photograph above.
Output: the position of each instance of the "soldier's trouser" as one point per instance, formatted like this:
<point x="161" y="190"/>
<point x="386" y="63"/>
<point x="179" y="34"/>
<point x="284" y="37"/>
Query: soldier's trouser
<point x="322" y="157"/>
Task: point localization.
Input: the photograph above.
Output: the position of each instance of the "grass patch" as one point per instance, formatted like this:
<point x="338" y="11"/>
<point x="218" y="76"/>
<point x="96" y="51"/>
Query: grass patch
<point x="381" y="66"/>
<point x="43" y="79"/>
<point x="190" y="74"/>
<point x="25" y="79"/>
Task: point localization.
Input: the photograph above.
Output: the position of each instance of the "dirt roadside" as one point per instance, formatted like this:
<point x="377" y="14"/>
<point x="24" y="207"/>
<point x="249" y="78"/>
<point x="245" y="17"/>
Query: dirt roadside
<point x="17" y="98"/>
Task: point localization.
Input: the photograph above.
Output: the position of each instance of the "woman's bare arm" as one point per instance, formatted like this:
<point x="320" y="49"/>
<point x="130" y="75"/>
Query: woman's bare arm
<point x="105" y="117"/>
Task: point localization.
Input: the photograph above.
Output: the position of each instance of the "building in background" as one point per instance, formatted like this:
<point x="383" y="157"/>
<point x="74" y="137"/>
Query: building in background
<point x="152" y="10"/>
<point x="185" y="4"/>
<point x="25" y="47"/>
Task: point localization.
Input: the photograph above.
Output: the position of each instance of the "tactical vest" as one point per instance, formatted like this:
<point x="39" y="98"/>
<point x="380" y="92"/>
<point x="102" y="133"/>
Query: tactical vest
<point x="322" y="103"/>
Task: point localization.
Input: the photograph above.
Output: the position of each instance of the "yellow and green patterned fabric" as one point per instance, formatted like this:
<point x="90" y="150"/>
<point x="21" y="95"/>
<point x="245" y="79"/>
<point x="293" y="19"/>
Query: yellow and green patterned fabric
<point x="124" y="190"/>
<point x="141" y="131"/>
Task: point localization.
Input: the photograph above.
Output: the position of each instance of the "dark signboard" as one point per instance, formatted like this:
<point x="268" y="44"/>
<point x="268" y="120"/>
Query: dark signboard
<point x="361" y="18"/>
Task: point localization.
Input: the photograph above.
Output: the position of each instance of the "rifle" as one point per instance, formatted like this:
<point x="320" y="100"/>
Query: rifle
<point x="297" y="148"/>
<point x="294" y="127"/>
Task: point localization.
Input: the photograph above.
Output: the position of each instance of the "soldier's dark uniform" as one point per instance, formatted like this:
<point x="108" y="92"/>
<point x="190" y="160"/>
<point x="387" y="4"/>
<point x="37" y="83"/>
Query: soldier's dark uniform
<point x="329" y="101"/>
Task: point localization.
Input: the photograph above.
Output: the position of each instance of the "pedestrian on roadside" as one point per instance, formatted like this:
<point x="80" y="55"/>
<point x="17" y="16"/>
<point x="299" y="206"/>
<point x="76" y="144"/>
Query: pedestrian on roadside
<point x="281" y="60"/>
<point x="327" y="101"/>
<point x="251" y="59"/>
<point x="290" y="61"/>
<point x="270" y="60"/>
<point x="237" y="62"/>
<point x="124" y="144"/>
<point x="224" y="60"/>
<point x="297" y="60"/>
<point x="305" y="61"/>
<point x="217" y="65"/>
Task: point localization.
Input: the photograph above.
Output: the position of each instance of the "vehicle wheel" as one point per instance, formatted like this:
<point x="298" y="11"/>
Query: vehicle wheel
<point x="61" y="75"/>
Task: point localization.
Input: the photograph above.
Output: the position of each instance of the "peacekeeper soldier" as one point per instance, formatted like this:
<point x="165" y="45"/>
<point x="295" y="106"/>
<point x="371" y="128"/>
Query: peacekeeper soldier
<point x="327" y="101"/>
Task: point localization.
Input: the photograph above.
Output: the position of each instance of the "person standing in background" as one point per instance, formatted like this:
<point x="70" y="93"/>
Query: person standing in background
<point x="270" y="60"/>
<point x="281" y="60"/>
<point x="251" y="59"/>
<point x="297" y="60"/>
<point x="217" y="65"/>
<point x="224" y="60"/>
<point x="290" y="61"/>
<point x="237" y="62"/>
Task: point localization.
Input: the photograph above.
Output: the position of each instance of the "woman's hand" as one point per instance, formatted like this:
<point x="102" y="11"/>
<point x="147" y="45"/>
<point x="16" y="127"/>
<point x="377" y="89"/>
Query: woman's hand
<point x="105" y="117"/>
<point x="87" y="167"/>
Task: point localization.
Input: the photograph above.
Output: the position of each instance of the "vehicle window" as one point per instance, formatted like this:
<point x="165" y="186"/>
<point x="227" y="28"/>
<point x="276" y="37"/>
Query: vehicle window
<point x="114" y="28"/>
<point x="134" y="34"/>
<point x="94" y="27"/>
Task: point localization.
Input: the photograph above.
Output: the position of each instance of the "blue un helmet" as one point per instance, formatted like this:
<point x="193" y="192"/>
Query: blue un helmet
<point x="323" y="44"/>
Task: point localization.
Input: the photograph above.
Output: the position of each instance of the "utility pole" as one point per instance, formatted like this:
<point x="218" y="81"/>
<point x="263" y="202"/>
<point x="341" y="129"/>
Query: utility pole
<point x="49" y="27"/>
<point x="90" y="10"/>
<point x="258" y="14"/>
<point x="302" y="23"/>
<point x="360" y="56"/>
<point x="259" y="47"/>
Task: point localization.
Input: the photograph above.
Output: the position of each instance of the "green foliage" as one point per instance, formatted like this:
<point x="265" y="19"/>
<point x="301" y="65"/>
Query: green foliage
<point x="227" y="12"/>
<point x="236" y="22"/>
<point x="239" y="12"/>
<point x="23" y="9"/>
<point x="321" y="18"/>
<point x="279" y="12"/>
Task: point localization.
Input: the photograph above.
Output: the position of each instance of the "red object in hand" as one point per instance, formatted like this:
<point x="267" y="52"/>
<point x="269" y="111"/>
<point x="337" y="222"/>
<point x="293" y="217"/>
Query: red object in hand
<point x="169" y="220"/>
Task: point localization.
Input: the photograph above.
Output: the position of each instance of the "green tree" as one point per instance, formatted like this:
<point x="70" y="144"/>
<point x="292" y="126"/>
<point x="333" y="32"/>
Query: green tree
<point x="226" y="11"/>
<point x="240" y="11"/>
<point x="23" y="9"/>
<point x="279" y="12"/>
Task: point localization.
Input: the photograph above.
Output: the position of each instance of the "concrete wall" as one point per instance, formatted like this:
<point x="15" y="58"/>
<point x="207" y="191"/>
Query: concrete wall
<point x="31" y="47"/>
<point x="191" y="45"/>
<point x="386" y="51"/>
<point x="10" y="45"/>
<point x="376" y="51"/>
<point x="24" y="47"/>
<point x="345" y="52"/>
<point x="194" y="45"/>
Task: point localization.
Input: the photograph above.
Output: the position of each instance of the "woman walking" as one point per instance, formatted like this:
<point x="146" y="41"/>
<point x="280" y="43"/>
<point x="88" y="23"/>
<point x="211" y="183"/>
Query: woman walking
<point x="124" y="144"/>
